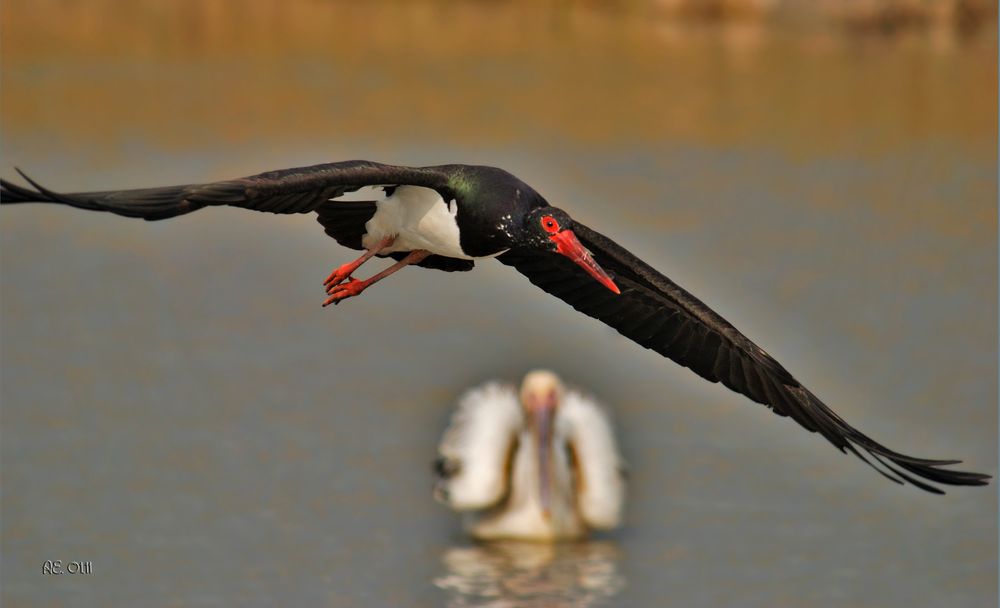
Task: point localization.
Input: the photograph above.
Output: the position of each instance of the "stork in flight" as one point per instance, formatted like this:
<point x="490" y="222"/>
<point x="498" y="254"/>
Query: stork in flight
<point x="447" y="217"/>
<point x="536" y="464"/>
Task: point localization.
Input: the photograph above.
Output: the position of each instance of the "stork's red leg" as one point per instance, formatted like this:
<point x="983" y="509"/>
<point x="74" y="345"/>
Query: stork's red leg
<point x="353" y="286"/>
<point x="343" y="272"/>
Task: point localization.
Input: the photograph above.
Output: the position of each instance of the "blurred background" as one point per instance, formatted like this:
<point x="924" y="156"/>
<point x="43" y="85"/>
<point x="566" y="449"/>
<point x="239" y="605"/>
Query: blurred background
<point x="179" y="411"/>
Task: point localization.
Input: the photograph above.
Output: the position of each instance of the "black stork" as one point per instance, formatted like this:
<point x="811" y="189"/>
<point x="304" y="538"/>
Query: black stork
<point x="446" y="217"/>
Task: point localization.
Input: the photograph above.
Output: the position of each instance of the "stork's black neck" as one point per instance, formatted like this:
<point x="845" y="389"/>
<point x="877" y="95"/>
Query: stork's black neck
<point x="492" y="205"/>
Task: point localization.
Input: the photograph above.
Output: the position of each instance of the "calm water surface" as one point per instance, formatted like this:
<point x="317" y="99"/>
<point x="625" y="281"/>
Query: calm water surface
<point x="179" y="411"/>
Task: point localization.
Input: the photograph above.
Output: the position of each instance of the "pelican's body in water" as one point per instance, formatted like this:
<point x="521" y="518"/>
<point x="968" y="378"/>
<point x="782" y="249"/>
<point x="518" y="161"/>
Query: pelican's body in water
<point x="536" y="464"/>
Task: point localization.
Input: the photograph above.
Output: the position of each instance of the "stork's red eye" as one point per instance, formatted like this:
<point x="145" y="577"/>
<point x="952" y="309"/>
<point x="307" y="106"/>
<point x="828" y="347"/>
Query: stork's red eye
<point x="550" y="224"/>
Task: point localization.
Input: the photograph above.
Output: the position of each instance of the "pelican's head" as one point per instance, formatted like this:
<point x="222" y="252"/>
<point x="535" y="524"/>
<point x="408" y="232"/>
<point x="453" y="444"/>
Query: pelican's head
<point x="541" y="392"/>
<point x="541" y="389"/>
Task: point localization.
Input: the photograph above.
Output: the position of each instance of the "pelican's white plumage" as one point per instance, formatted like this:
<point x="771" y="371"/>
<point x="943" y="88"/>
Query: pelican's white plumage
<point x="479" y="441"/>
<point x="587" y="429"/>
<point x="490" y="457"/>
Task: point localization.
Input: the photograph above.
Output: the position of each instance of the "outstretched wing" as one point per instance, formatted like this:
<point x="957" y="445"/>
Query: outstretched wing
<point x="299" y="190"/>
<point x="286" y="191"/>
<point x="658" y="314"/>
<point x="476" y="451"/>
<point x="599" y="467"/>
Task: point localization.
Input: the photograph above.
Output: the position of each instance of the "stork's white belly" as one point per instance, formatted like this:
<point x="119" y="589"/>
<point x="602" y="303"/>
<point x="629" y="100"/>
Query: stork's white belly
<point x="419" y="219"/>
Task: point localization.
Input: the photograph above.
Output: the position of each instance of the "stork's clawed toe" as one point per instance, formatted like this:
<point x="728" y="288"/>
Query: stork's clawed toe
<point x="342" y="291"/>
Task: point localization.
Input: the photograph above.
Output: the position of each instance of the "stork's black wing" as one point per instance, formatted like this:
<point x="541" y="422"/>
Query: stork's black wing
<point x="655" y="312"/>
<point x="299" y="190"/>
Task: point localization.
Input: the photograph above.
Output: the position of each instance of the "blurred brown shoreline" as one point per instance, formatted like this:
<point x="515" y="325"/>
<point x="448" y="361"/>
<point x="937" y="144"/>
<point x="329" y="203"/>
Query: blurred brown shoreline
<point x="110" y="70"/>
<point x="28" y="26"/>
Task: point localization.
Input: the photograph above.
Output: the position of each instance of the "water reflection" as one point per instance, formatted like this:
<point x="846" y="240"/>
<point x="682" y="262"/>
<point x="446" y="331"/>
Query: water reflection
<point x="511" y="573"/>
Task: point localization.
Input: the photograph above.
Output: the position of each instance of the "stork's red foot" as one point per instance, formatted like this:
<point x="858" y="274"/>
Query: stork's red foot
<point x="346" y="290"/>
<point x="344" y="272"/>
<point x="341" y="273"/>
<point x="353" y="287"/>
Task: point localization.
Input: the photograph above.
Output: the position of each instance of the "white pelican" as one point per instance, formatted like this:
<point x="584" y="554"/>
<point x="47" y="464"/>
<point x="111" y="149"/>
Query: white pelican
<point x="539" y="465"/>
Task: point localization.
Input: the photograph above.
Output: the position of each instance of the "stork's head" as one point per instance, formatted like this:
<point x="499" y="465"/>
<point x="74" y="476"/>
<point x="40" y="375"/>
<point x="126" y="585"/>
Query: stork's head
<point x="551" y="229"/>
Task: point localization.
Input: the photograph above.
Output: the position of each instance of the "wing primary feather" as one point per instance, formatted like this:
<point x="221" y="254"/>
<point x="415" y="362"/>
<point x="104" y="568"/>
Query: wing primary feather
<point x="905" y="477"/>
<point x="850" y="448"/>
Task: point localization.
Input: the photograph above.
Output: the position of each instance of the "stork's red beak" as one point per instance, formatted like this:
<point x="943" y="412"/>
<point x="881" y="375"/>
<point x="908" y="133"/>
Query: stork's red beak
<point x="568" y="245"/>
